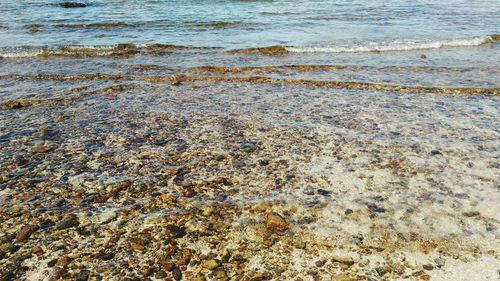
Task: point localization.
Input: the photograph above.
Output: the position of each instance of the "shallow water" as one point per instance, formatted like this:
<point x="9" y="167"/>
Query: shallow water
<point x="424" y="43"/>
<point x="365" y="129"/>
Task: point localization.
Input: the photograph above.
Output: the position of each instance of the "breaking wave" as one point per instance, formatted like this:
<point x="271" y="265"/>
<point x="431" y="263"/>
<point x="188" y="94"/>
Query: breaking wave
<point x="397" y="46"/>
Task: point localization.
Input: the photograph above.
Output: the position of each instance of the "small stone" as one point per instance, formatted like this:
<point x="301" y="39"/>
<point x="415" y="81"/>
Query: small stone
<point x="169" y="266"/>
<point x="348" y="212"/>
<point x="381" y="271"/>
<point x="428" y="266"/>
<point x="72" y="5"/>
<point x="176" y="231"/>
<point x="106" y="256"/>
<point x="375" y="208"/>
<point x="37" y="251"/>
<point x="34" y="28"/>
<point x="262" y="276"/>
<point x="51" y="263"/>
<point x="324" y="192"/>
<point x="320" y="263"/>
<point x="68" y="221"/>
<point x="24" y="233"/>
<point x="435" y="152"/>
<point x="63" y="261"/>
<point x="57" y="274"/>
<point x="221" y="275"/>
<point x="189" y="193"/>
<point x="8" y="248"/>
<point x="440" y="262"/>
<point x="471" y="214"/>
<point x="136" y="247"/>
<point x="83" y="275"/>
<point x="249" y="147"/>
<point x="177" y="274"/>
<point x="147" y="271"/>
<point x="344" y="260"/>
<point x="263" y="162"/>
<point x="8" y="275"/>
<point x="299" y="244"/>
<point x="41" y="148"/>
<point x="161" y="274"/>
<point x="275" y="222"/>
<point x="210" y="264"/>
<point x="173" y="170"/>
<point x="219" y="157"/>
<point x="186" y="257"/>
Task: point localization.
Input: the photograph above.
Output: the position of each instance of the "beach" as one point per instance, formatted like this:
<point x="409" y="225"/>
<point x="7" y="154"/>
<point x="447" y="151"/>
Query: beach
<point x="188" y="153"/>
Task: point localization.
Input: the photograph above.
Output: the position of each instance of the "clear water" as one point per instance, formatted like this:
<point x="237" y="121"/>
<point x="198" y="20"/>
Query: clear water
<point x="448" y="43"/>
<point x="245" y="23"/>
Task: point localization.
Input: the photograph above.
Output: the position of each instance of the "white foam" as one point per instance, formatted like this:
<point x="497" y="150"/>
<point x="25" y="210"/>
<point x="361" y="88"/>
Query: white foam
<point x="394" y="46"/>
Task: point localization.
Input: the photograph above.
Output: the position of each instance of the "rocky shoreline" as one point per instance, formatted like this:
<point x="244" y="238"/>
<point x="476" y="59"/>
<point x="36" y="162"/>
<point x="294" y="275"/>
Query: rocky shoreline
<point x="224" y="180"/>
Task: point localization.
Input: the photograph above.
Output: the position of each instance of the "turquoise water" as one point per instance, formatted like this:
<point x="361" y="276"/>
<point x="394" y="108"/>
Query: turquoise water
<point x="235" y="24"/>
<point x="450" y="43"/>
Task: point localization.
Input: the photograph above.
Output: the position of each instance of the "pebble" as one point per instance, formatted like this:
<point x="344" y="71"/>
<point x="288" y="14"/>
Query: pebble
<point x="381" y="270"/>
<point x="70" y="220"/>
<point x="83" y="275"/>
<point x="320" y="263"/>
<point x="348" y="212"/>
<point x="435" y="152"/>
<point x="41" y="148"/>
<point x="440" y="262"/>
<point x="470" y="214"/>
<point x="375" y="208"/>
<point x="177" y="274"/>
<point x="72" y="5"/>
<point x="221" y="275"/>
<point x="24" y="233"/>
<point x="210" y="264"/>
<point x="275" y="222"/>
<point x="428" y="266"/>
<point x="344" y="260"/>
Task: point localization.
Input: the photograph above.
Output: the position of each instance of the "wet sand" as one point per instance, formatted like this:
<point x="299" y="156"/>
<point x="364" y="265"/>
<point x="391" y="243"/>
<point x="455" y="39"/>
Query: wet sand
<point x="222" y="179"/>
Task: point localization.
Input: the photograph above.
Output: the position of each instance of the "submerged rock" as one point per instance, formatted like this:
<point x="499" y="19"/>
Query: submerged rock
<point x="210" y="264"/>
<point x="275" y="222"/>
<point x="72" y="5"/>
<point x="24" y="233"/>
<point x="344" y="260"/>
<point x="70" y="220"/>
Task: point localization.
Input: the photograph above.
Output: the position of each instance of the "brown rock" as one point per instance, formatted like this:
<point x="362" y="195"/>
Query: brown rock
<point x="186" y="257"/>
<point x="24" y="233"/>
<point x="471" y="214"/>
<point x="136" y="247"/>
<point x="428" y="266"/>
<point x="63" y="261"/>
<point x="168" y="266"/>
<point x="41" y="148"/>
<point x="275" y="222"/>
<point x="344" y="260"/>
<point x="320" y="263"/>
<point x="177" y="274"/>
<point x="68" y="221"/>
<point x="37" y="251"/>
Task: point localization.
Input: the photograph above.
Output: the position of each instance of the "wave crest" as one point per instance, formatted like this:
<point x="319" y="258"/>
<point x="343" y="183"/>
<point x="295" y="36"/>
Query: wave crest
<point x="398" y="46"/>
